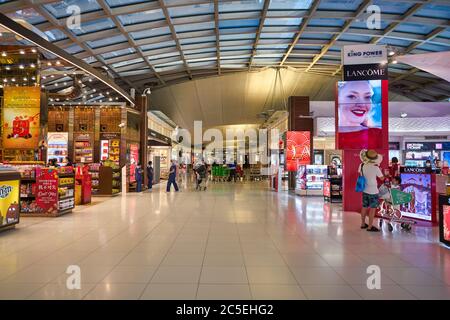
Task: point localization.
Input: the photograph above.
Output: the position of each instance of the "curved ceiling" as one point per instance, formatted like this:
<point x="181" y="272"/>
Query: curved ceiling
<point x="239" y="98"/>
<point x="146" y="43"/>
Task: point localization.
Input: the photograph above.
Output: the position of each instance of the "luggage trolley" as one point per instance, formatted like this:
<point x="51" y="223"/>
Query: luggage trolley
<point x="390" y="208"/>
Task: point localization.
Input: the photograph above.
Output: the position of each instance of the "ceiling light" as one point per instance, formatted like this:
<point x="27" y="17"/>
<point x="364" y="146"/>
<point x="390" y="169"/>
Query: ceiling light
<point x="110" y="99"/>
<point x="25" y="79"/>
<point x="394" y="61"/>
<point x="22" y="51"/>
<point x="32" y="65"/>
<point x="65" y="74"/>
<point x="107" y="92"/>
<point x="8" y="68"/>
<point x="42" y="86"/>
<point x="403" y="115"/>
<point x="94" y="90"/>
<point x="92" y="95"/>
<point x="13" y="79"/>
<point x="33" y="78"/>
<point x="65" y="83"/>
<point x="21" y="66"/>
<point x="56" y="84"/>
<point x="33" y="50"/>
<point x="49" y="64"/>
<point x="3" y="54"/>
<point x="52" y="76"/>
<point x="117" y="98"/>
<point x="90" y="80"/>
<point x="79" y="81"/>
<point x="5" y="80"/>
<point x="58" y="62"/>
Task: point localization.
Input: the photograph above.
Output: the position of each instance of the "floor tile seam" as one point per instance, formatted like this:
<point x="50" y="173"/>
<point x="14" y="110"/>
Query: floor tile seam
<point x="203" y="262"/>
<point x="160" y="263"/>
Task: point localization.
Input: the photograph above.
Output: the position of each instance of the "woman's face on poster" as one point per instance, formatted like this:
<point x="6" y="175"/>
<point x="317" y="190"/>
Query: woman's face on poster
<point x="355" y="102"/>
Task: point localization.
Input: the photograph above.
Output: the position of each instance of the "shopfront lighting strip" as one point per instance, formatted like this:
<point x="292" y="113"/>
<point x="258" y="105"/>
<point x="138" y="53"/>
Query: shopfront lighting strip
<point x="32" y="37"/>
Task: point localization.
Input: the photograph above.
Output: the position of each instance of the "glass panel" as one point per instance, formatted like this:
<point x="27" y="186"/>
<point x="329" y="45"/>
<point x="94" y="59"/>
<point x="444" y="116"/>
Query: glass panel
<point x="127" y="62"/>
<point x="356" y="38"/>
<point x="94" y="25"/>
<point x="29" y="15"/>
<point x="106" y="41"/>
<point x="432" y="47"/>
<point x="363" y="24"/>
<point x="74" y="49"/>
<point x="272" y="46"/>
<point x="326" y="23"/>
<point x="159" y="45"/>
<point x="395" y="42"/>
<point x="55" y="35"/>
<point x="414" y="28"/>
<point x="434" y="11"/>
<point x="198" y="40"/>
<point x="90" y="60"/>
<point x="290" y="4"/>
<point x="321" y="36"/>
<point x="61" y="9"/>
<point x="197" y="51"/>
<point x="239" y="6"/>
<point x="117" y="53"/>
<point x="282" y="21"/>
<point x="140" y="17"/>
<point x="226" y="24"/>
<point x="393" y="6"/>
<point x="194" y="26"/>
<point x="150" y="33"/>
<point x="239" y="36"/>
<point x="286" y="35"/>
<point x="192" y="10"/>
<point x="164" y="55"/>
<point x="232" y="48"/>
<point x="340" y="5"/>
<point x="119" y="3"/>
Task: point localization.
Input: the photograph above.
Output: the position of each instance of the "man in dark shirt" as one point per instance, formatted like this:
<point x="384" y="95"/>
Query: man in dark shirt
<point x="150" y="175"/>
<point x="172" y="176"/>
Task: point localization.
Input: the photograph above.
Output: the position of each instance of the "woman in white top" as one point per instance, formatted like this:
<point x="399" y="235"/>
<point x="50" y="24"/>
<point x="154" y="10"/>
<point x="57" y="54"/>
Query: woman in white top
<point x="370" y="169"/>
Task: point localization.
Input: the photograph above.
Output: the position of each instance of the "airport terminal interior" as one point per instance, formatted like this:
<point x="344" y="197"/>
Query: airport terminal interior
<point x="224" y="150"/>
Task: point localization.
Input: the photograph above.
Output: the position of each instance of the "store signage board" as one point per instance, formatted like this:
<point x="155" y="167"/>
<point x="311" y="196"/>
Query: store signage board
<point x="9" y="202"/>
<point x="416" y="170"/>
<point x="427" y="146"/>
<point x="47" y="190"/>
<point x="21" y="111"/>
<point x="365" y="62"/>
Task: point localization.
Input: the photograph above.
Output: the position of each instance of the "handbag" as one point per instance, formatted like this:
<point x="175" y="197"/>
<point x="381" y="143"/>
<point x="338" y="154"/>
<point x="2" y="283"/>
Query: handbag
<point x="361" y="181"/>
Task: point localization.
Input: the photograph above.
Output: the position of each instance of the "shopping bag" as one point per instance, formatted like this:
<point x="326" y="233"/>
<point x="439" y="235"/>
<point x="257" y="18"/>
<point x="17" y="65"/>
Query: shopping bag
<point x="400" y="197"/>
<point x="361" y="182"/>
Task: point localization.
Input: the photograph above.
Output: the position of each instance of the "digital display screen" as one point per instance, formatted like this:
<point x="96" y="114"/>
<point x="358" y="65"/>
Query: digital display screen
<point x="419" y="185"/>
<point x="359" y="114"/>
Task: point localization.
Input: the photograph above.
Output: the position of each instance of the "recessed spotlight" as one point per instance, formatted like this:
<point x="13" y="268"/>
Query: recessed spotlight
<point x="394" y="61"/>
<point x="58" y="62"/>
<point x="25" y="79"/>
<point x="21" y="66"/>
<point x="32" y="65"/>
<point x="65" y="83"/>
<point x="8" y="68"/>
<point x="13" y="79"/>
<point x="52" y="76"/>
<point x="33" y="50"/>
<point x="5" y="80"/>
<point x="42" y="86"/>
<point x="56" y="84"/>
<point x="44" y="77"/>
<point x="94" y="90"/>
<point x="403" y="115"/>
<point x="33" y="78"/>
<point x="22" y="51"/>
<point x="65" y="74"/>
<point x="90" y="80"/>
<point x="3" y="54"/>
<point x="49" y="64"/>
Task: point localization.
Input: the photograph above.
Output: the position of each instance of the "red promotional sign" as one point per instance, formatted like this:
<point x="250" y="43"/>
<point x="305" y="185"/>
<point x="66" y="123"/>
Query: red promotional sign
<point x="327" y="188"/>
<point x="298" y="149"/>
<point x="47" y="190"/>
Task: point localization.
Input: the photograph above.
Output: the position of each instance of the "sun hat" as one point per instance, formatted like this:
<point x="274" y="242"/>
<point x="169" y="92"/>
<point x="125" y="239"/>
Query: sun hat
<point x="370" y="156"/>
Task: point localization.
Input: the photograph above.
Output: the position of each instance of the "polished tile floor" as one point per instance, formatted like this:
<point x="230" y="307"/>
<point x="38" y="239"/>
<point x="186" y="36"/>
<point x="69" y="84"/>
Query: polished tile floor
<point x="234" y="241"/>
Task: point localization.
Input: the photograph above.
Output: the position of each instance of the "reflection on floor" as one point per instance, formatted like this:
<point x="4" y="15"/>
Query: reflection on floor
<point x="233" y="241"/>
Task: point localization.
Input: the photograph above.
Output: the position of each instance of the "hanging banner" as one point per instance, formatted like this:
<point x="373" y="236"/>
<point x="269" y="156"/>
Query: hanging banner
<point x="21" y="108"/>
<point x="298" y="149"/>
<point x="365" y="62"/>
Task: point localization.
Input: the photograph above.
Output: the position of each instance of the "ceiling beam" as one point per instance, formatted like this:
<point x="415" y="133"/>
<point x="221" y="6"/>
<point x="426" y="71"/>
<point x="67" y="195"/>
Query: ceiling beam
<point x="258" y="32"/>
<point x="216" y="29"/>
<point x="303" y="26"/>
<point x="174" y="36"/>
<point x="347" y="24"/>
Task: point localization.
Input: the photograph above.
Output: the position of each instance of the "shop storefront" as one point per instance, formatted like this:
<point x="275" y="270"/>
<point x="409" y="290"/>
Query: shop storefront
<point x="417" y="153"/>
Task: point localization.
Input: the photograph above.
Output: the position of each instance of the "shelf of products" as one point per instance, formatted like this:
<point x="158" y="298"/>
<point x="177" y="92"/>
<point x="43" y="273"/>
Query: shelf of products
<point x="84" y="152"/>
<point x="332" y="188"/>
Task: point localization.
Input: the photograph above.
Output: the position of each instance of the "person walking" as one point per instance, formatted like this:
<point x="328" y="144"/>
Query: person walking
<point x="203" y="172"/>
<point x="369" y="168"/>
<point x="150" y="175"/>
<point x="232" y="167"/>
<point x="138" y="175"/>
<point x="172" y="177"/>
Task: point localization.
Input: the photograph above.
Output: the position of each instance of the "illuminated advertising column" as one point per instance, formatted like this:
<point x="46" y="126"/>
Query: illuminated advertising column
<point x="361" y="113"/>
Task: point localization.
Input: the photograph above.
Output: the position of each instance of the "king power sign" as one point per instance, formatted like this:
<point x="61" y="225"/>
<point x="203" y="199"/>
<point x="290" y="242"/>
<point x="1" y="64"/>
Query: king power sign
<point x="365" y="62"/>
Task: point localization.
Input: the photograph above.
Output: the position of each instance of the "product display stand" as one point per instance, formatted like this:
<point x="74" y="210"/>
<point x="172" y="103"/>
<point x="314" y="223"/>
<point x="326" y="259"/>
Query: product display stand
<point x="109" y="181"/>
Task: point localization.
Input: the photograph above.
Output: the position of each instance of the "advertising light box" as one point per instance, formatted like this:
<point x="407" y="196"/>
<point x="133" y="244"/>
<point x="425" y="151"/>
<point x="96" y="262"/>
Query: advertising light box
<point x="298" y="149"/>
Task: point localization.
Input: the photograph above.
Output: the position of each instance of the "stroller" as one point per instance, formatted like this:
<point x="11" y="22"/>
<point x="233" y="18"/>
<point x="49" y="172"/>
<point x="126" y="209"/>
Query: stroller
<point x="390" y="208"/>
